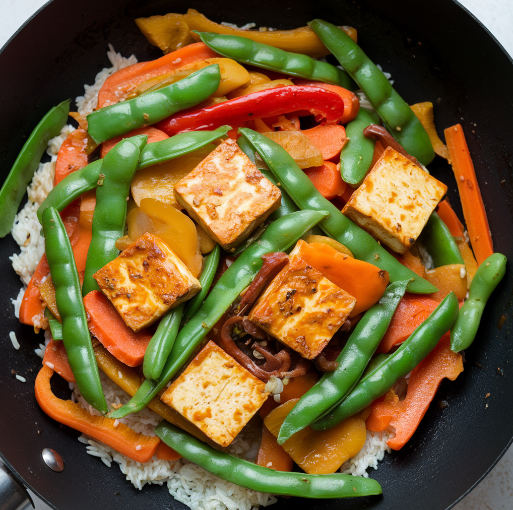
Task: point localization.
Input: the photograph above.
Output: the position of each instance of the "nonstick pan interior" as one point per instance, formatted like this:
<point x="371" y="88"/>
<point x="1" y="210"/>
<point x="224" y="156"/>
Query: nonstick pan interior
<point x="435" y="52"/>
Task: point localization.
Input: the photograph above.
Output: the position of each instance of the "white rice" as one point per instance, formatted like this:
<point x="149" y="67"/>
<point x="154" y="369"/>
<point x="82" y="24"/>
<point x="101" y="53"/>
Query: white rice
<point x="14" y="340"/>
<point x="186" y="482"/>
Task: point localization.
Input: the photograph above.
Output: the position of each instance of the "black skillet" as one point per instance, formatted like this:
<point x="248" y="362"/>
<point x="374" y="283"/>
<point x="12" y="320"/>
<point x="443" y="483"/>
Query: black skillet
<point x="435" y="51"/>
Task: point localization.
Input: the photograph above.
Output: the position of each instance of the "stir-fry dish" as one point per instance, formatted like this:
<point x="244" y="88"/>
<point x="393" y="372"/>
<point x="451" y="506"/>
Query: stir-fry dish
<point x="248" y="275"/>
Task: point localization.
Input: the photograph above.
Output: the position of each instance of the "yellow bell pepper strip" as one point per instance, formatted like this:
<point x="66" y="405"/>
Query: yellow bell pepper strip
<point x="134" y="445"/>
<point x="22" y="171"/>
<point x="424" y="112"/>
<point x="300" y="40"/>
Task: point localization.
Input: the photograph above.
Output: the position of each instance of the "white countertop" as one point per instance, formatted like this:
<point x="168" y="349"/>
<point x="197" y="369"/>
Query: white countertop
<point x="496" y="491"/>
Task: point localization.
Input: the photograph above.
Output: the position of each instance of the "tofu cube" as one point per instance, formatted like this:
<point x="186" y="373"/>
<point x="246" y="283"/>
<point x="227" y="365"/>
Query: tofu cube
<point x="395" y="201"/>
<point x="216" y="394"/>
<point x="302" y="308"/>
<point x="227" y="195"/>
<point x="145" y="281"/>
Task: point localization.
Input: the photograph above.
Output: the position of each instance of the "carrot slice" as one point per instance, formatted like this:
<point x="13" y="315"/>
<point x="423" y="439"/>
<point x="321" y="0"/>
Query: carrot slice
<point x="72" y="155"/>
<point x="329" y="139"/>
<point x="56" y="358"/>
<point x="470" y="194"/>
<point x="411" y="262"/>
<point x="118" y="84"/>
<point x="327" y="180"/>
<point x="449" y="217"/>
<point x="164" y="452"/>
<point x="271" y="454"/>
<point x="412" y="311"/>
<point x="351" y="101"/>
<point x="423" y="384"/>
<point x="117" y="435"/>
<point x="154" y="135"/>
<point x="109" y="328"/>
<point x="362" y="280"/>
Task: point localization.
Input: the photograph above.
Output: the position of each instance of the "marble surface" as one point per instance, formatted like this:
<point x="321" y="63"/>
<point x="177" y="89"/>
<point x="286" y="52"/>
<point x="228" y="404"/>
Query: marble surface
<point x="496" y="491"/>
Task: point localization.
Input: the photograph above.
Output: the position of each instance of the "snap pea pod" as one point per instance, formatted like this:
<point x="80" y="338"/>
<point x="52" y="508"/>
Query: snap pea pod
<point x="487" y="277"/>
<point x="336" y="225"/>
<point x="21" y="173"/>
<point x="352" y="361"/>
<point x="398" y="117"/>
<point x="206" y="278"/>
<point x="409" y="354"/>
<point x="147" y="109"/>
<point x="55" y="325"/>
<point x="357" y="153"/>
<point x="279" y="236"/>
<point x="116" y="174"/>
<point x="75" y="331"/>
<point x="438" y="241"/>
<point x="162" y="342"/>
<point x="268" y="57"/>
<point x="258" y="478"/>
<point x="86" y="179"/>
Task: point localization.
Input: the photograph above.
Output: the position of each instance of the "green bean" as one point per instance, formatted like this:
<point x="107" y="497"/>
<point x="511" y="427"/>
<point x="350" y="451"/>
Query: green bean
<point x="55" y="325"/>
<point x="147" y="109"/>
<point x="487" y="277"/>
<point x="86" y="179"/>
<point x="279" y="236"/>
<point x="339" y="227"/>
<point x="21" y="173"/>
<point x="409" y="354"/>
<point x="334" y="386"/>
<point x="438" y="241"/>
<point x="258" y="478"/>
<point x="75" y="332"/>
<point x="268" y="57"/>
<point x="116" y="174"/>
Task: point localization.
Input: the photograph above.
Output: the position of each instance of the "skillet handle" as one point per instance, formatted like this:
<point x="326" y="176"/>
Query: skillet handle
<point x="13" y="496"/>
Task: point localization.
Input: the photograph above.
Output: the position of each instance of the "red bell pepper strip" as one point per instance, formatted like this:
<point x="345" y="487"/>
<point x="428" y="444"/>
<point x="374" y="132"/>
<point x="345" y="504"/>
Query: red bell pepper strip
<point x="262" y="104"/>
<point x="404" y="416"/>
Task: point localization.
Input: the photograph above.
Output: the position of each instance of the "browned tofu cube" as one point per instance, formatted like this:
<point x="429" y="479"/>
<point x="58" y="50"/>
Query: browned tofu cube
<point x="227" y="195"/>
<point x="395" y="201"/>
<point x="216" y="394"/>
<point x="302" y="308"/>
<point x="145" y="281"/>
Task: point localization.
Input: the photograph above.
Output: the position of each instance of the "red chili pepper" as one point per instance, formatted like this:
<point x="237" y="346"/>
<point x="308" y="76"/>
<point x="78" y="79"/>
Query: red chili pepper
<point x="266" y="103"/>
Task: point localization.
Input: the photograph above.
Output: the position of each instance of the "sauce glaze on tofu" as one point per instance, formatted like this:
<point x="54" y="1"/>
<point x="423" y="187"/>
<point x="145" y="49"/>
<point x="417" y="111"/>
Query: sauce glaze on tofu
<point x="227" y="195"/>
<point x="145" y="281"/>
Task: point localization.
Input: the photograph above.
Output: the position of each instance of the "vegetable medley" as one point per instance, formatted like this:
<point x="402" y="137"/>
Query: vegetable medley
<point x="232" y="233"/>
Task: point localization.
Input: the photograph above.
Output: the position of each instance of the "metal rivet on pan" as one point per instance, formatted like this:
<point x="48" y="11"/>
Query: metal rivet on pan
<point x="52" y="459"/>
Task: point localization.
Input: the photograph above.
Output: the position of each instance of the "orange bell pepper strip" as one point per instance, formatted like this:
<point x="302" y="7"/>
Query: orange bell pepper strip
<point x="134" y="445"/>
<point x="412" y="311"/>
<point x="154" y="135"/>
<point x="56" y="358"/>
<point x="117" y="85"/>
<point x="425" y="379"/>
<point x="362" y="280"/>
<point x="108" y="327"/>
<point x="73" y="154"/>
<point x="470" y="194"/>
<point x="412" y="262"/>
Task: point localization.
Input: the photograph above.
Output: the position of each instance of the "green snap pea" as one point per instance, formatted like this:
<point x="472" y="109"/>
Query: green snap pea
<point x="339" y="227"/>
<point x="55" y="325"/>
<point x="487" y="277"/>
<point x="409" y="354"/>
<point x="334" y="386"/>
<point x="274" y="59"/>
<point x="15" y="185"/>
<point x="86" y="179"/>
<point x="162" y="342"/>
<point x="398" y="117"/>
<point x="206" y="278"/>
<point x="438" y="241"/>
<point x="258" y="478"/>
<point x="75" y="331"/>
<point x="147" y="109"/>
<point x="357" y="153"/>
<point x="279" y="236"/>
<point x="116" y="174"/>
